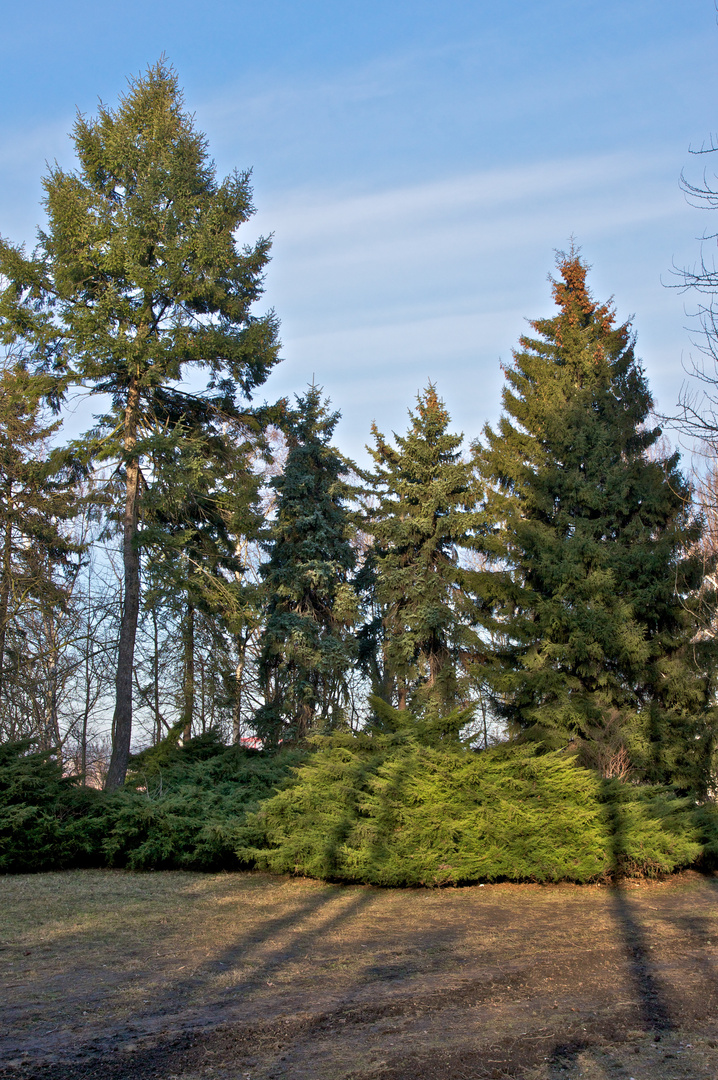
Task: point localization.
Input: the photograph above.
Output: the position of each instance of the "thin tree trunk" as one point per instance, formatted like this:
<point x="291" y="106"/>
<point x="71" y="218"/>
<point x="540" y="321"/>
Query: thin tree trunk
<point x="88" y="692"/>
<point x="156" y="676"/>
<point x="188" y="703"/>
<point x="5" y="593"/>
<point x="52" y="727"/>
<point x="85" y="720"/>
<point x="486" y="730"/>
<point x="304" y="720"/>
<point x="203" y="695"/>
<point x="52" y="705"/>
<point x="122" y="720"/>
<point x="238" y="686"/>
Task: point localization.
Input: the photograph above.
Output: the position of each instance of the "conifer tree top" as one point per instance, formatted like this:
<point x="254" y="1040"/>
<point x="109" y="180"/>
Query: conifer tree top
<point x="590" y="542"/>
<point x="138" y="273"/>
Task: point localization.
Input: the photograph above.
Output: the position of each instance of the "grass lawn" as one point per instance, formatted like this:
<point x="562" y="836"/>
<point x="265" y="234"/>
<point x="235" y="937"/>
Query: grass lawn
<point x="176" y="975"/>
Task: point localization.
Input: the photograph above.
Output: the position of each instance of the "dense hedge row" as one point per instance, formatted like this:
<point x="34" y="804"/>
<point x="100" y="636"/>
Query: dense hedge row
<point x="376" y="807"/>
<point x="388" y="810"/>
<point x="181" y="809"/>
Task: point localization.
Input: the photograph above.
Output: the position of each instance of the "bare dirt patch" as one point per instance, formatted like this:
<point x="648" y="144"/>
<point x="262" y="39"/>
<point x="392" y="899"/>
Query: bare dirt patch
<point x="248" y="976"/>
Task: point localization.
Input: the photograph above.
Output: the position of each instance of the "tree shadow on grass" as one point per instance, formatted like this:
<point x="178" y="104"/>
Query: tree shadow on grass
<point x="261" y="954"/>
<point x="704" y="933"/>
<point x="653" y="1016"/>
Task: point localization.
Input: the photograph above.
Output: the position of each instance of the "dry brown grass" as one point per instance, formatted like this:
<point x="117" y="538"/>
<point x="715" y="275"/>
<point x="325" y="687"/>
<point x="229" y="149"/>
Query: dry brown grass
<point x="248" y="975"/>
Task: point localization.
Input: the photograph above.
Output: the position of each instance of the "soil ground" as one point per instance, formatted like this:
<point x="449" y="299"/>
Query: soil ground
<point x="190" y="977"/>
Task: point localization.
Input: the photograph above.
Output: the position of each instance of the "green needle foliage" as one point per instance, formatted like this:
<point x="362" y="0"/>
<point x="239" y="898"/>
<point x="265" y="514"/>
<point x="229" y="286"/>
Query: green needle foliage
<point x="47" y="821"/>
<point x="138" y="283"/>
<point x="591" y="577"/>
<point x="307" y="647"/>
<point x="189" y="804"/>
<point x="387" y="809"/>
<point x="419" y="643"/>
<point x="380" y="807"/>
<point x="183" y="808"/>
<point x="203" y="502"/>
<point x="38" y="499"/>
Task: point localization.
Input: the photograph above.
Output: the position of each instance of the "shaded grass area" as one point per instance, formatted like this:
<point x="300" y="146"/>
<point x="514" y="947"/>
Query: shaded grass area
<point x="185" y="975"/>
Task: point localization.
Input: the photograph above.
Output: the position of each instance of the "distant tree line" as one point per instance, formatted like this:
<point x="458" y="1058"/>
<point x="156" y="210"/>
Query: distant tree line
<point x="197" y="563"/>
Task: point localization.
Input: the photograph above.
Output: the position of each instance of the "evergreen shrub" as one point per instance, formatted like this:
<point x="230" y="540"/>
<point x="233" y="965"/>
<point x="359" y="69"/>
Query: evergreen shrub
<point x="188" y="804"/>
<point x="183" y="807"/>
<point x="385" y="809"/>
<point x="380" y="807"/>
<point x="47" y="821"/>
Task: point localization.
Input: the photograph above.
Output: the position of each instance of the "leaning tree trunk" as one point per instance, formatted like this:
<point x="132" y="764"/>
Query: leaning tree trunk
<point x="122" y="720"/>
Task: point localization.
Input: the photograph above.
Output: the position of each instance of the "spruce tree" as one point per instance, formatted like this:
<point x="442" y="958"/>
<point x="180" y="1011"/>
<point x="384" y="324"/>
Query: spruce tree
<point x="424" y="515"/>
<point x="137" y="281"/>
<point x="592" y="574"/>
<point x="307" y="647"/>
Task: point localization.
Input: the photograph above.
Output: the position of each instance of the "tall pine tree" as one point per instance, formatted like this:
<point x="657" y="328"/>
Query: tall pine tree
<point x="590" y="588"/>
<point x="307" y="646"/>
<point x="425" y="514"/>
<point x="137" y="282"/>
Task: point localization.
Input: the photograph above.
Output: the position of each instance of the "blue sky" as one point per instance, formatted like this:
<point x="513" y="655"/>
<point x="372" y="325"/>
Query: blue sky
<point x="418" y="164"/>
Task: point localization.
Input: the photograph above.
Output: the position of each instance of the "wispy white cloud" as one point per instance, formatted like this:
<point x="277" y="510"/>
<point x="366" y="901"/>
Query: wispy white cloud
<point x="299" y="217"/>
<point x="379" y="291"/>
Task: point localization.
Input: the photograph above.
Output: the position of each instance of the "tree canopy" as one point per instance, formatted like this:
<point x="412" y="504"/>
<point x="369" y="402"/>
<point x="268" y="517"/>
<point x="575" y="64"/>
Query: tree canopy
<point x="592" y="547"/>
<point x="223" y="570"/>
<point x="307" y="646"/>
<point x="138" y="279"/>
<point x="424" y="514"/>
